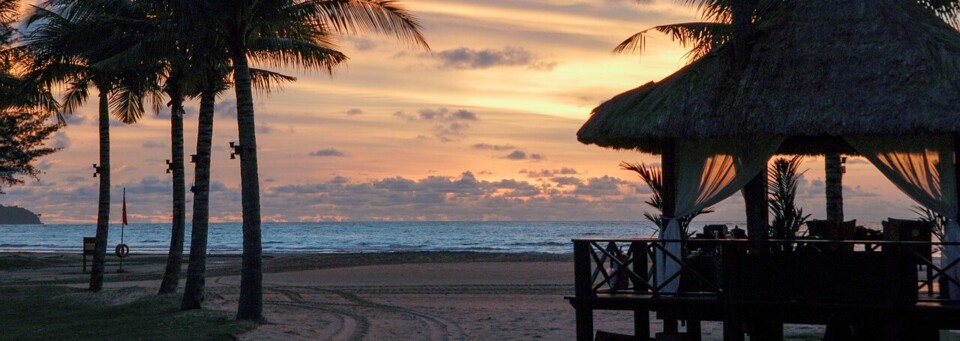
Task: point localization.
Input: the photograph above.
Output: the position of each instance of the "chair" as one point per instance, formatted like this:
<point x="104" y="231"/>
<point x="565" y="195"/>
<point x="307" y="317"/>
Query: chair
<point x="715" y="231"/>
<point x="825" y="229"/>
<point x="828" y="230"/>
<point x="914" y="231"/>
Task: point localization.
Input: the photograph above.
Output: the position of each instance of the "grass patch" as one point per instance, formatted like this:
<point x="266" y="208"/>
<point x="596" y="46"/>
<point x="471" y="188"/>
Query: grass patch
<point x="18" y="262"/>
<point x="59" y="313"/>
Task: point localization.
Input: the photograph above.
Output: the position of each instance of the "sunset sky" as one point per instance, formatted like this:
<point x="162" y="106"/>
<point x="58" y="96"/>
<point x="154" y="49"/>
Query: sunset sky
<point x="481" y="128"/>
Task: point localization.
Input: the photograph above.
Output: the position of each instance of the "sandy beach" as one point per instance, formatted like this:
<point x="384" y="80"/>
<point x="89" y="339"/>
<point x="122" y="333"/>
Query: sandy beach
<point x="376" y="296"/>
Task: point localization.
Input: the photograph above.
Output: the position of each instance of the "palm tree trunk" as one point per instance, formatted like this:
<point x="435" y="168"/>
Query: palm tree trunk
<point x="834" y="194"/>
<point x="196" y="269"/>
<point x="834" y="187"/>
<point x="251" y="277"/>
<point x="755" y="202"/>
<point x="103" y="204"/>
<point x="171" y="276"/>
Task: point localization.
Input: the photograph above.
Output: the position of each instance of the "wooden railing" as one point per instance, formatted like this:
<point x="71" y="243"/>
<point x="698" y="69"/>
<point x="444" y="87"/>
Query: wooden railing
<point x="809" y="270"/>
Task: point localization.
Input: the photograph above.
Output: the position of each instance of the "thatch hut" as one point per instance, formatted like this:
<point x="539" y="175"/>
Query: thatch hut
<point x="878" y="78"/>
<point x="818" y="71"/>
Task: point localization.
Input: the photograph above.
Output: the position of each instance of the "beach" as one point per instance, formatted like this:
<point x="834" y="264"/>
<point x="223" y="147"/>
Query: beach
<point x="372" y="296"/>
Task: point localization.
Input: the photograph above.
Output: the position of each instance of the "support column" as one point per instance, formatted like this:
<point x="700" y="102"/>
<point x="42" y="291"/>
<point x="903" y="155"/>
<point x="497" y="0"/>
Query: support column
<point x="641" y="318"/>
<point x="668" y="164"/>
<point x="755" y="201"/>
<point x="834" y="187"/>
<point x="583" y="283"/>
<point x="944" y="284"/>
<point x="641" y="324"/>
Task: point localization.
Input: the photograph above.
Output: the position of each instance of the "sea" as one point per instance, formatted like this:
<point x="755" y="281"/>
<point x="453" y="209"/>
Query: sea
<point x="340" y="237"/>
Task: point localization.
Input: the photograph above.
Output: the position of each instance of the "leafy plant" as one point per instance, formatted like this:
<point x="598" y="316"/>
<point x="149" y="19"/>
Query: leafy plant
<point x="937" y="222"/>
<point x="653" y="177"/>
<point x="782" y="184"/>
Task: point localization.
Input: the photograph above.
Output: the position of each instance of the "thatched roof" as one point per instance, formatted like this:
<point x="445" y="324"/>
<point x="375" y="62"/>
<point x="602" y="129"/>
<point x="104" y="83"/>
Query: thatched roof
<point x="818" y="70"/>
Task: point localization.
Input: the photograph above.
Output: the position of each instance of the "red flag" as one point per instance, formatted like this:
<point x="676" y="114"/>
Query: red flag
<point x="124" y="206"/>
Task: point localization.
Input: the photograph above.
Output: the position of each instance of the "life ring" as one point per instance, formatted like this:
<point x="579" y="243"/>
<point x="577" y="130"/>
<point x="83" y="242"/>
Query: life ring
<point x="122" y="250"/>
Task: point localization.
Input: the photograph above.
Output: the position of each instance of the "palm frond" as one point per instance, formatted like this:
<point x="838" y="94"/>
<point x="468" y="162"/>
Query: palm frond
<point x="653" y="177"/>
<point x="377" y="16"/>
<point x="701" y="37"/>
<point x="75" y="94"/>
<point x="949" y="10"/>
<point x="279" y="52"/>
<point x="782" y="189"/>
<point x="266" y="81"/>
<point x="126" y="106"/>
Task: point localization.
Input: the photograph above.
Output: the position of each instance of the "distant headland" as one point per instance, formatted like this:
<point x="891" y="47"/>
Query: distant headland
<point x="17" y="215"/>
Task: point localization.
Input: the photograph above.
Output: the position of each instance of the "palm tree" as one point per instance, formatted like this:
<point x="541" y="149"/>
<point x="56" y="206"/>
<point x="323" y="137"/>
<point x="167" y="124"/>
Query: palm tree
<point x="25" y="107"/>
<point x="175" y="54"/>
<point x="68" y="45"/>
<point x="833" y="186"/>
<point x="241" y="21"/>
<point x="196" y="268"/>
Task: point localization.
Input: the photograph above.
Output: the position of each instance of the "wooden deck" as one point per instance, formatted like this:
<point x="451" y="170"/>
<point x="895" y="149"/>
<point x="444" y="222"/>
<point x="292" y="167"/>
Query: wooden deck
<point x="873" y="285"/>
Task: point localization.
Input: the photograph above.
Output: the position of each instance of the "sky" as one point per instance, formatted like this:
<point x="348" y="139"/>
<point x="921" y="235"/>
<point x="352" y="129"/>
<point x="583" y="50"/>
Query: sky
<point x="483" y="127"/>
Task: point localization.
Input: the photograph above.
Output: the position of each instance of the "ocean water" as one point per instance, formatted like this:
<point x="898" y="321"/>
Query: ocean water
<point x="338" y="237"/>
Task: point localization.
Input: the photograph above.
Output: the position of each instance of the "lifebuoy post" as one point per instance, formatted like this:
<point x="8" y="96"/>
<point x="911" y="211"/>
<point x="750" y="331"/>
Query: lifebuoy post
<point x="122" y="249"/>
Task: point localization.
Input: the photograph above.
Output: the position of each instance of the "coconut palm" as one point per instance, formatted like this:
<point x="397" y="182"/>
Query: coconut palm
<point x="241" y="22"/>
<point x="25" y="108"/>
<point x="67" y="46"/>
<point x="149" y="38"/>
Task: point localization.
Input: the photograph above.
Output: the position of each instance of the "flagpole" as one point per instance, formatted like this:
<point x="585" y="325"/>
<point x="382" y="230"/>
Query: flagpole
<point x="123" y="221"/>
<point x="123" y="224"/>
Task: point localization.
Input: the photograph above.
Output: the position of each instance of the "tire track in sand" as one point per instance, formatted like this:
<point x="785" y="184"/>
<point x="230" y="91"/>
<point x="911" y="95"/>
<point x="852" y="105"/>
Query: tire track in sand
<point x="438" y="328"/>
<point x="351" y="326"/>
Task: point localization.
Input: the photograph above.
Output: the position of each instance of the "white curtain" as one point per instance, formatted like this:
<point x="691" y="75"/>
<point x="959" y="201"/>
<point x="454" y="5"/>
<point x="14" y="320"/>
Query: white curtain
<point x="708" y="171"/>
<point x="923" y="168"/>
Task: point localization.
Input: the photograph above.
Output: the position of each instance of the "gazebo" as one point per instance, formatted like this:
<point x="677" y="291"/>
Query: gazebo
<point x="876" y="78"/>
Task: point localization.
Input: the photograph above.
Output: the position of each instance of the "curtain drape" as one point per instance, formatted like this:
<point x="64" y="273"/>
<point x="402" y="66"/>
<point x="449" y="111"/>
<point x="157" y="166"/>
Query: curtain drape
<point x="923" y="168"/>
<point x="708" y="171"/>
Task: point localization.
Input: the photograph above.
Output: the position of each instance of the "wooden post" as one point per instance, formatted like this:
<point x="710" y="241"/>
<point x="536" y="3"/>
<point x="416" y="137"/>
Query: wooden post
<point x="641" y="324"/>
<point x="732" y="324"/>
<point x="732" y="328"/>
<point x="693" y="330"/>
<point x="641" y="318"/>
<point x="945" y="289"/>
<point x="583" y="288"/>
<point x="640" y="267"/>
<point x="668" y="164"/>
